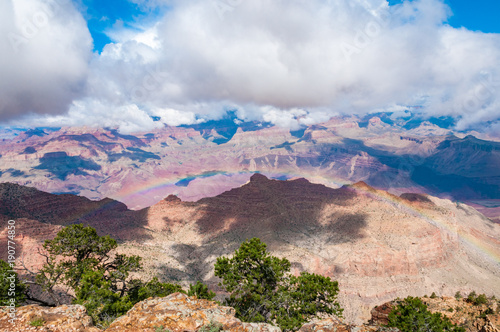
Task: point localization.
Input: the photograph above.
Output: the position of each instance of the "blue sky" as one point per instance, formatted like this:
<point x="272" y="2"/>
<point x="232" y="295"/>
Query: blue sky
<point x="478" y="15"/>
<point x="102" y="16"/>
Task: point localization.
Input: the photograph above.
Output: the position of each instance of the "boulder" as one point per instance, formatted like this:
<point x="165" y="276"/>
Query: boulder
<point x="178" y="313"/>
<point x="65" y="318"/>
<point x="380" y="314"/>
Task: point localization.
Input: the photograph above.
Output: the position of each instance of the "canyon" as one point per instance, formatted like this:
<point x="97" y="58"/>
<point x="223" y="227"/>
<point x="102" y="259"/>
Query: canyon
<point x="398" y="154"/>
<point x="377" y="245"/>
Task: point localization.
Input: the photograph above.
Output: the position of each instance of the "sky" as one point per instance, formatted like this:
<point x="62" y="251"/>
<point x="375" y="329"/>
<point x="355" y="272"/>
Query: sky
<point x="479" y="15"/>
<point x="121" y="63"/>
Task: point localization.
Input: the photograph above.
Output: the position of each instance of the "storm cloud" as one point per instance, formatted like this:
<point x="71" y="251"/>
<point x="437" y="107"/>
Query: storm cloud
<point x="45" y="53"/>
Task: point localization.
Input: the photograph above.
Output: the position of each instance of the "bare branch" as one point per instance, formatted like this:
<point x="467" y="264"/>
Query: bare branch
<point x="21" y="259"/>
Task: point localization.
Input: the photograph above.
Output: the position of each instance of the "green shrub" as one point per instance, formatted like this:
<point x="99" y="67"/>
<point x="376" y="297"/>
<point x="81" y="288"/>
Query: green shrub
<point x="200" y="291"/>
<point x="161" y="329"/>
<point x="477" y="299"/>
<point x="433" y="295"/>
<point x="471" y="297"/>
<point x="411" y="314"/>
<point x="102" y="303"/>
<point x="458" y="296"/>
<point x="211" y="327"/>
<point x="450" y="309"/>
<point x="12" y="289"/>
<point x="488" y="311"/>
<point x="153" y="288"/>
<point x="37" y="322"/>
<point x="480" y="299"/>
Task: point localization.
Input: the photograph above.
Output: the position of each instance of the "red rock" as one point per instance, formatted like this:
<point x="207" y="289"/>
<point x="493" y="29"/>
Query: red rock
<point x="66" y="318"/>
<point x="178" y="312"/>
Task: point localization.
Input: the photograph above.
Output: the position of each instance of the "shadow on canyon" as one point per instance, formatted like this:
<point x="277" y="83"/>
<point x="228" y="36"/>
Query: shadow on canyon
<point x="280" y="213"/>
<point x="107" y="216"/>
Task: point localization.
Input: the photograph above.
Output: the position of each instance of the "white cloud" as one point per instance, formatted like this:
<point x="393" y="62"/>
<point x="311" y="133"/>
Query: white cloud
<point x="268" y="59"/>
<point x="173" y="117"/>
<point x="280" y="118"/>
<point x="46" y="48"/>
<point x="127" y="119"/>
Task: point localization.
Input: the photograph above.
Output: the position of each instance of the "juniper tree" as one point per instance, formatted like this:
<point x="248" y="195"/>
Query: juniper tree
<point x="262" y="289"/>
<point x="94" y="275"/>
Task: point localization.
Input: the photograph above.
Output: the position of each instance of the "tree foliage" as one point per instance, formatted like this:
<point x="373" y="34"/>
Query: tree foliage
<point x="201" y="291"/>
<point x="251" y="276"/>
<point x="12" y="289"/>
<point x="262" y="289"/>
<point x="84" y="263"/>
<point x="102" y="303"/>
<point x="77" y="250"/>
<point x="411" y="314"/>
<point x="477" y="299"/>
<point x="154" y="288"/>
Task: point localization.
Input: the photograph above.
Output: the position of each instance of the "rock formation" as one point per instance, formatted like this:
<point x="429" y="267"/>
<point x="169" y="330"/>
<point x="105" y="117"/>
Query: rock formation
<point x="66" y="318"/>
<point x="178" y="313"/>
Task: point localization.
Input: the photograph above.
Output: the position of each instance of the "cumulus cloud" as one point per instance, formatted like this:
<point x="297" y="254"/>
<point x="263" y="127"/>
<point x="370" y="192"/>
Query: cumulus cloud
<point x="89" y="112"/>
<point x="173" y="117"/>
<point x="46" y="49"/>
<point x="296" y="62"/>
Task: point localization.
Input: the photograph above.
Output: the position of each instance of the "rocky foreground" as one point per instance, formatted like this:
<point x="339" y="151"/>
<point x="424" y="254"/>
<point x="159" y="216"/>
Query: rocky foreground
<point x="179" y="313"/>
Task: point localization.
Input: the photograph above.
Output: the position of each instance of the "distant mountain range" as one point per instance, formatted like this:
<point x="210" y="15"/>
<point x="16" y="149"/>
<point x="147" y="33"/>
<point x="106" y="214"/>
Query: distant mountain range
<point x="395" y="152"/>
<point x="377" y="245"/>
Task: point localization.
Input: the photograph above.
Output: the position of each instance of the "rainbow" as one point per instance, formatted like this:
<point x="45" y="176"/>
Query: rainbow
<point x="408" y="208"/>
<point x="314" y="177"/>
<point x="146" y="188"/>
<point x="173" y="181"/>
